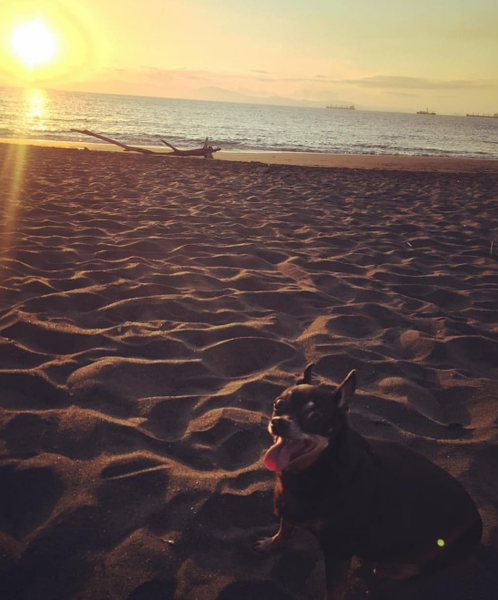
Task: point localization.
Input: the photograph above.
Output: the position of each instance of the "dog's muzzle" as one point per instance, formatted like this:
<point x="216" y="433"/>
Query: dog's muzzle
<point x="280" y="426"/>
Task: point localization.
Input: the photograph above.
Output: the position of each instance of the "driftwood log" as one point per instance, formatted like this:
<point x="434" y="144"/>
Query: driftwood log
<point x="206" y="151"/>
<point x="120" y="144"/>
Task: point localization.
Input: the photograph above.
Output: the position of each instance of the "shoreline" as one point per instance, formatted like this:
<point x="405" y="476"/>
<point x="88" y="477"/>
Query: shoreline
<point x="306" y="159"/>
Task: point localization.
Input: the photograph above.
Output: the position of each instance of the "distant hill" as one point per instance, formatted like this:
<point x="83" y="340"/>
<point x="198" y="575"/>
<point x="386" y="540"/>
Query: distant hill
<point x="223" y="95"/>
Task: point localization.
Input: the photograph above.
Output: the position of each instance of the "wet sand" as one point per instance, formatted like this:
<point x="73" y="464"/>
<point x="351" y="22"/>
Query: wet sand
<point x="308" y="159"/>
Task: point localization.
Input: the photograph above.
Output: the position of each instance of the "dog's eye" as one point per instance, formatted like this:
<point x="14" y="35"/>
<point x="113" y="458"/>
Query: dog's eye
<point x="279" y="407"/>
<point x="313" y="418"/>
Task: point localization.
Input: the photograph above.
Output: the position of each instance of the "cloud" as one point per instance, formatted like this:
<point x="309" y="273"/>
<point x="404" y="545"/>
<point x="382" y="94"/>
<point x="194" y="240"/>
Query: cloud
<point x="254" y="75"/>
<point x="192" y="83"/>
<point x="158" y="75"/>
<point x="416" y="83"/>
<point x="401" y="94"/>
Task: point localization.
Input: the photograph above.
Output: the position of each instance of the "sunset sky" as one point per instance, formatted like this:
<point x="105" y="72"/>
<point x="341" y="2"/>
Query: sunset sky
<point x="378" y="55"/>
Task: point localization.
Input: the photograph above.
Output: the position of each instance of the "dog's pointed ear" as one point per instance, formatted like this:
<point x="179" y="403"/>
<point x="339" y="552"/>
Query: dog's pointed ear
<point x="306" y="376"/>
<point x="345" y="391"/>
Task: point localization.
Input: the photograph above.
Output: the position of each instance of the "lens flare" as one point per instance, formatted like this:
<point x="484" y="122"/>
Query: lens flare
<point x="13" y="173"/>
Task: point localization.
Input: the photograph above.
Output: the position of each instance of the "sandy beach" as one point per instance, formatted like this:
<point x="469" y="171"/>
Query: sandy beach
<point x="306" y="159"/>
<point x="152" y="308"/>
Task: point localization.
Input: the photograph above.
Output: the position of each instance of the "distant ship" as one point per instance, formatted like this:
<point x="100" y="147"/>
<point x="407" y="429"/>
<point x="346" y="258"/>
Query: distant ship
<point x="495" y="116"/>
<point x="425" y="112"/>
<point x="342" y="106"/>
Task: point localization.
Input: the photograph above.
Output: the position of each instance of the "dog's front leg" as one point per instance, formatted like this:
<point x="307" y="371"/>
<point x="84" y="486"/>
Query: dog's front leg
<point x="336" y="577"/>
<point x="272" y="544"/>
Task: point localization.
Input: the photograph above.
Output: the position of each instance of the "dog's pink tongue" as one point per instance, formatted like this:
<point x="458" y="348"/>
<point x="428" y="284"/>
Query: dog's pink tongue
<point x="278" y="456"/>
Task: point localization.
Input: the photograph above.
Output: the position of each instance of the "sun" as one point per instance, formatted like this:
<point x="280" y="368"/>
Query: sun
<point x="34" y="43"/>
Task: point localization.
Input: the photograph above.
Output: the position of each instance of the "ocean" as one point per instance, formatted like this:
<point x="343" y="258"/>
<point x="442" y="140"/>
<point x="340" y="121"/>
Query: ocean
<point x="49" y="115"/>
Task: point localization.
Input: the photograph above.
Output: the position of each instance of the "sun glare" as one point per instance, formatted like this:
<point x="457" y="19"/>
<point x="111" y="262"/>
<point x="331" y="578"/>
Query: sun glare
<point x="34" y="43"/>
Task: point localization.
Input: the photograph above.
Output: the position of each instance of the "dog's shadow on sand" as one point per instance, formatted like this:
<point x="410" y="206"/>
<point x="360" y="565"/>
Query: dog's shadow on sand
<point x="473" y="579"/>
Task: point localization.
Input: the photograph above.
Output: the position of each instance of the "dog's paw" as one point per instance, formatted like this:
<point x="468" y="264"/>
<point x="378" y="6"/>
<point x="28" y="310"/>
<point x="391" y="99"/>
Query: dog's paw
<point x="266" y="545"/>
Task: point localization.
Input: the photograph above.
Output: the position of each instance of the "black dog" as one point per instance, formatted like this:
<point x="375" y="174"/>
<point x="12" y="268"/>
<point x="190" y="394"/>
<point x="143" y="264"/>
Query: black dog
<point x="363" y="497"/>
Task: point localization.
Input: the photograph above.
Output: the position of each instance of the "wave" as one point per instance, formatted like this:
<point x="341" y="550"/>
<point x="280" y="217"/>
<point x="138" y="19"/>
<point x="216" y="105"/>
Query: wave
<point x="241" y="127"/>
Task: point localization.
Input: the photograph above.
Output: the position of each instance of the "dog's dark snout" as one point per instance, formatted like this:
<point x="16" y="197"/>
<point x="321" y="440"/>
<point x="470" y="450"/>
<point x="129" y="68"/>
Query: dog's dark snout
<point x="279" y="426"/>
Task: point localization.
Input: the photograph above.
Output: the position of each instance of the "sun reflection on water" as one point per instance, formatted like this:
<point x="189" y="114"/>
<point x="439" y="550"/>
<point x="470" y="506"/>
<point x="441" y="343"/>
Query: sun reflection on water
<point x="35" y="108"/>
